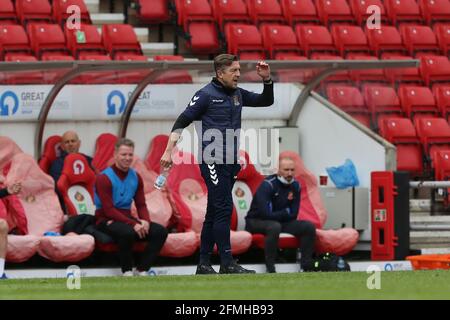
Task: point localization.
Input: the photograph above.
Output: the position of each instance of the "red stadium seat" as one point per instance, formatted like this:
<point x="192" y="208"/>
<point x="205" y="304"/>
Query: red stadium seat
<point x="381" y="100"/>
<point x="289" y="55"/>
<point x="153" y="11"/>
<point x="26" y="77"/>
<point x="34" y="11"/>
<point x="341" y="76"/>
<point x="193" y="11"/>
<point x="419" y="38"/>
<point x="7" y="12"/>
<point x="403" y="11"/>
<point x="399" y="75"/>
<point x="120" y="38"/>
<point x="347" y="98"/>
<point x="362" y="118"/>
<point x="132" y="76"/>
<point x="442" y="165"/>
<point x="350" y="100"/>
<point x="56" y="57"/>
<point x="203" y="37"/>
<point x="47" y="38"/>
<point x="279" y="39"/>
<point x="104" y="151"/>
<point x="442" y="32"/>
<point x="434" y="133"/>
<point x="299" y="11"/>
<point x="60" y="8"/>
<point x="51" y="76"/>
<point x="198" y="23"/>
<point x="19" y="57"/>
<point x="13" y="38"/>
<point x="364" y="75"/>
<point x="130" y="57"/>
<point x="442" y="96"/>
<point x="315" y="39"/>
<point x="417" y="99"/>
<point x="435" y="10"/>
<point x="76" y="185"/>
<point x="397" y="129"/>
<point x="251" y="56"/>
<point x="349" y="39"/>
<point x="401" y="132"/>
<point x="172" y="76"/>
<point x="155" y="151"/>
<point x="265" y="11"/>
<point x="385" y="39"/>
<point x="435" y="69"/>
<point x="87" y="39"/>
<point x="52" y="150"/>
<point x="359" y="9"/>
<point x="331" y="11"/>
<point x="100" y="77"/>
<point x="299" y="75"/>
<point x="242" y="38"/>
<point x="225" y="11"/>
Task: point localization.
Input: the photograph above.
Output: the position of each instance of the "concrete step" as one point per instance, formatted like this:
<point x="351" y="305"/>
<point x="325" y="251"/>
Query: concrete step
<point x="142" y="34"/>
<point x="419" y="204"/>
<point x="441" y="219"/>
<point x="151" y="49"/>
<point x="423" y="206"/>
<point x="436" y="237"/>
<point x="100" y="19"/>
<point x="428" y="213"/>
<point x="430" y="223"/>
<point x="432" y="250"/>
<point x="93" y="6"/>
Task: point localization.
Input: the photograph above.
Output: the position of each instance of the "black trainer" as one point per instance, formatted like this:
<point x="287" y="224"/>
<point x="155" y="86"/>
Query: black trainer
<point x="309" y="265"/>
<point x="233" y="267"/>
<point x="205" y="269"/>
<point x="270" y="268"/>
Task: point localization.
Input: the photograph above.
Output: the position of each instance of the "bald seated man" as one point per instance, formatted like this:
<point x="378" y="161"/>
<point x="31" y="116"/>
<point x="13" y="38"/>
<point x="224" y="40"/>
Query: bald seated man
<point x="70" y="144"/>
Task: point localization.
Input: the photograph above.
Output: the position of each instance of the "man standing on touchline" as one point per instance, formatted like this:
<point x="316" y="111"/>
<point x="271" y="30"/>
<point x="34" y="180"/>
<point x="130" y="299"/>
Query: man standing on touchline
<point x="217" y="108"/>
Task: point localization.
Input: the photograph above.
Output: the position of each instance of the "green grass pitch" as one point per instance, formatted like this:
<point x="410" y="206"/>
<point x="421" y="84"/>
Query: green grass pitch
<point x="345" y="285"/>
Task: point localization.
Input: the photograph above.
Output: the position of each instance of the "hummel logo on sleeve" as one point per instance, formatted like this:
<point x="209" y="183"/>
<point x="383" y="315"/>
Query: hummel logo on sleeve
<point x="194" y="100"/>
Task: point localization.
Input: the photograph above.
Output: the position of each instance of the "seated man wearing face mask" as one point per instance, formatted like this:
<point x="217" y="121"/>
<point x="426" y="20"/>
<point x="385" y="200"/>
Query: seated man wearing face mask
<point x="274" y="210"/>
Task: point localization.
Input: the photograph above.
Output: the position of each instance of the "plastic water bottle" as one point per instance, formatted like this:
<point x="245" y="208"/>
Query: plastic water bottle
<point x="52" y="234"/>
<point x="298" y="256"/>
<point x="341" y="263"/>
<point x="161" y="179"/>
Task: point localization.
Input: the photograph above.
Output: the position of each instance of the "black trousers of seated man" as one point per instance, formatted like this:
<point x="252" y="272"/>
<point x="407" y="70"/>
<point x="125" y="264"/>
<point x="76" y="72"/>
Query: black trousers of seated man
<point x="125" y="237"/>
<point x="304" y="231"/>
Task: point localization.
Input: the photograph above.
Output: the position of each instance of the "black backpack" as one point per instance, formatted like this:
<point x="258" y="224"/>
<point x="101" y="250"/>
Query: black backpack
<point x="328" y="262"/>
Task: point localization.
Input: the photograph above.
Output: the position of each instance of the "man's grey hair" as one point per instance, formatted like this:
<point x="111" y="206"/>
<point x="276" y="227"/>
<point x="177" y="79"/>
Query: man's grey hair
<point x="224" y="60"/>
